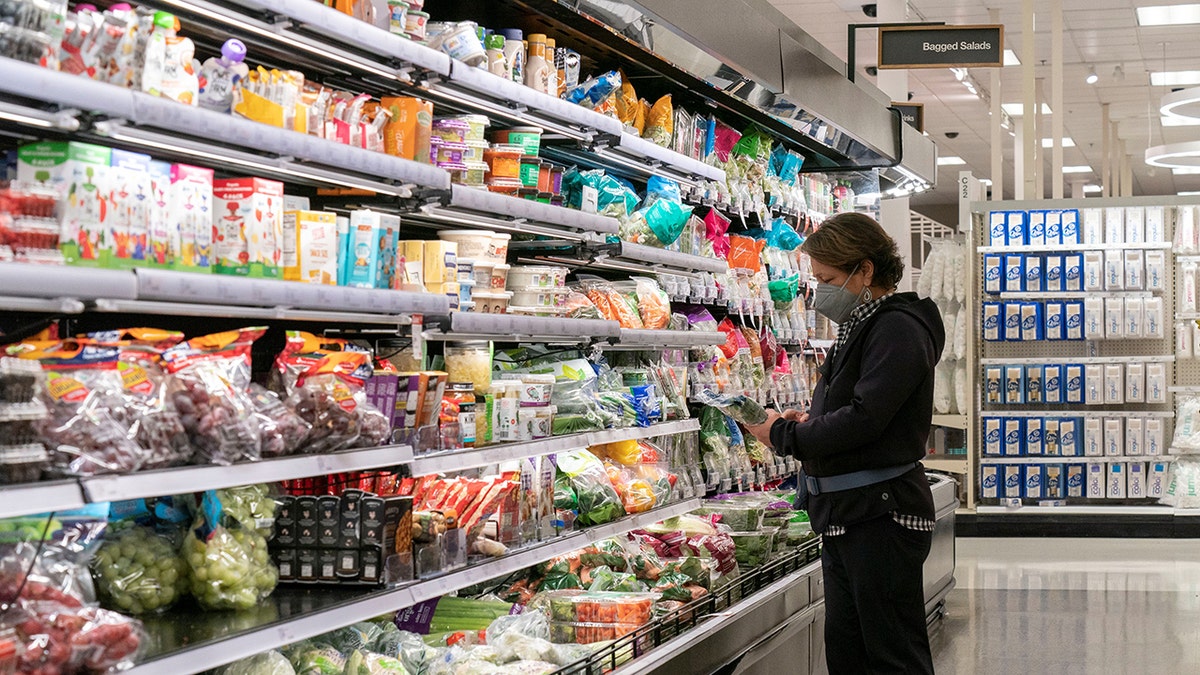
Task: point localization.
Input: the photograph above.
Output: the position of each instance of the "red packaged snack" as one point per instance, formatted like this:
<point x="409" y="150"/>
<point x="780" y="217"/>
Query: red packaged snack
<point x="83" y="388"/>
<point x="209" y="387"/>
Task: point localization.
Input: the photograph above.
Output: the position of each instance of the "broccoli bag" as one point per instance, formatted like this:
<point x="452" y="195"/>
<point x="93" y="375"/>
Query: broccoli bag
<point x="597" y="499"/>
<point x="714" y="445"/>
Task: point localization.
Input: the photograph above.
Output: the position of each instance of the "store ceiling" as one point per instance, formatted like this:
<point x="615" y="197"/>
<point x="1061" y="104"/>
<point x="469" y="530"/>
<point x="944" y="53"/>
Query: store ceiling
<point x="1098" y="33"/>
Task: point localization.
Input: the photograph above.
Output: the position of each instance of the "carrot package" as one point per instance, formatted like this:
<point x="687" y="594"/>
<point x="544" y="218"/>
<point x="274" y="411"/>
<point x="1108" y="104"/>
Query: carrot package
<point x="211" y="377"/>
<point x="615" y="304"/>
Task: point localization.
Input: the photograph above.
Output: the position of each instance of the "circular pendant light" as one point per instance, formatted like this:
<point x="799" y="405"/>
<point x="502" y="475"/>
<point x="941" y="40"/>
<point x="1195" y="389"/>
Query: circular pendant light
<point x="1182" y="103"/>
<point x="1175" y="155"/>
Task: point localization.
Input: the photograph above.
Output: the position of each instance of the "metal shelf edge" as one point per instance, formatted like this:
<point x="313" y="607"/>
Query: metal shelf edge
<point x="478" y="199"/>
<point x="58" y="281"/>
<point x="33" y="498"/>
<point x="640" y="147"/>
<point x="684" y="261"/>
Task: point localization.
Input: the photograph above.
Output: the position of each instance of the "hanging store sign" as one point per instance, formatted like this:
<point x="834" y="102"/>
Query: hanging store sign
<point x="941" y="47"/>
<point x="913" y="114"/>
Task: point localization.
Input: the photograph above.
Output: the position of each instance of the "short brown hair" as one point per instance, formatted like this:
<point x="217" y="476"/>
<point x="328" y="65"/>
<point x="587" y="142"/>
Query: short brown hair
<point x="847" y="239"/>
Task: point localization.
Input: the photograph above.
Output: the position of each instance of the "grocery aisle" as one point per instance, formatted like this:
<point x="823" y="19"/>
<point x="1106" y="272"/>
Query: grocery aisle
<point x="1072" y="606"/>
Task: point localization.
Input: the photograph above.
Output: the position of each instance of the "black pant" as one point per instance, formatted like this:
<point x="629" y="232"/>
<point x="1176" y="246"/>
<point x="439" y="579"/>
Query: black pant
<point x="874" y="600"/>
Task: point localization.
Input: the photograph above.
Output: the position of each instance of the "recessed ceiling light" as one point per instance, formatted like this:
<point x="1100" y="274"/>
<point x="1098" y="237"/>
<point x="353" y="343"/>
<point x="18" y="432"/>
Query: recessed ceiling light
<point x="1179" y="121"/>
<point x="986" y="181"/>
<point x="1082" y="168"/>
<point x="1067" y="142"/>
<point x="1175" y="78"/>
<point x="1018" y="109"/>
<point x="1010" y="58"/>
<point x="1188" y="193"/>
<point x="1168" y="15"/>
<point x="1092" y="77"/>
<point x="951" y="160"/>
<point x="1092" y="188"/>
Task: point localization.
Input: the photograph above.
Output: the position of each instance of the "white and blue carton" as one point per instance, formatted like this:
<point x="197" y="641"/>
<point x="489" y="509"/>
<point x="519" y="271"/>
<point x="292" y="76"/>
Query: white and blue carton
<point x="1018" y="228"/>
<point x="1050" y="427"/>
<point x="1012" y="321"/>
<point x="998" y="228"/>
<point x="1052" y="383"/>
<point x="1014" y="385"/>
<point x="993" y="321"/>
<point x="1037" y="228"/>
<point x="1055" y="330"/>
<point x="1073" y="383"/>
<point x="1014" y="432"/>
<point x="993" y="442"/>
<point x="1073" y="272"/>
<point x="1033" y="482"/>
<point x="1033" y="436"/>
<point x="1053" y="228"/>
<point x="1052" y="481"/>
<point x="989" y="481"/>
<point x="1069" y="226"/>
<point x="993" y="275"/>
<point x="1014" y="479"/>
<point x="1075" y="480"/>
<point x="1073" y="320"/>
<point x="1031" y="321"/>
<point x="1052" y="270"/>
<point x="1033" y="384"/>
<point x="1033" y="273"/>
<point x="1014" y="272"/>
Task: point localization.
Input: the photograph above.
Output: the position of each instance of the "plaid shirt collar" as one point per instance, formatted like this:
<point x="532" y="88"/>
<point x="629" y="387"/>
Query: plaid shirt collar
<point x="858" y="315"/>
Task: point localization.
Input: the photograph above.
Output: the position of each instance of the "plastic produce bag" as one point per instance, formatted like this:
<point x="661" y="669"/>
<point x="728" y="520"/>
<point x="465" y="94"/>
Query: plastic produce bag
<point x="595" y="90"/>
<point x="615" y="305"/>
<point x="267" y="663"/>
<point x="319" y="661"/>
<point x="597" y="498"/>
<point x="637" y="493"/>
<point x="579" y="306"/>
<point x="783" y="236"/>
<point x="209" y="389"/>
<point x="83" y="388"/>
<point x="359" y="662"/>
<point x="228" y="561"/>
<point x="612" y="197"/>
<point x="658" y="224"/>
<point x="251" y="505"/>
<point x="740" y="408"/>
<point x="137" y="571"/>
<point x="529" y="624"/>
<point x="716" y="230"/>
<point x="714" y="445"/>
<point x="660" y="122"/>
<point x="68" y="638"/>
<point x="628" y="108"/>
<point x="281" y="431"/>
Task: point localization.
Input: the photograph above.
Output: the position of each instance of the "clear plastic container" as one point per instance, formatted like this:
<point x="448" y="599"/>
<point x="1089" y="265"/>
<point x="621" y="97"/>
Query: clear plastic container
<point x="587" y="633"/>
<point x="22" y="463"/>
<point x="737" y="516"/>
<point x="19" y="380"/>
<point x="491" y="302"/>
<point x="536" y="276"/>
<point x="499" y="250"/>
<point x="470" y="362"/>
<point x="754" y="548"/>
<point x="476" y="151"/>
<point x="604" y="607"/>
<point x="505" y="161"/>
<point x="540" y="297"/>
<point x="536" y="311"/>
<point x="450" y="129"/>
<point x="505" y="186"/>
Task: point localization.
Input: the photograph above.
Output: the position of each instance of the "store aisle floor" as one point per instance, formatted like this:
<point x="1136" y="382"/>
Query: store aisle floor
<point x="1070" y="606"/>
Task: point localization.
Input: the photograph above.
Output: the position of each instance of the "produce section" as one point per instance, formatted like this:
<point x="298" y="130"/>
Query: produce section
<point x="441" y="315"/>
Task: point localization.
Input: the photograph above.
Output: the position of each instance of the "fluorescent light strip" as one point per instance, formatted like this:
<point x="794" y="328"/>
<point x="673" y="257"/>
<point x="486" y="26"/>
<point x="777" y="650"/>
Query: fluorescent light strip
<point x="1067" y="142"/>
<point x="1186" y="171"/>
<point x="1082" y="168"/>
<point x="1175" y="78"/>
<point x="1188" y="193"/>
<point x="120" y="133"/>
<point x="1089" y="189"/>
<point x="1010" y="58"/>
<point x="1168" y="15"/>
<point x="38" y="118"/>
<point x="1018" y="109"/>
<point x="240" y="22"/>
<point x="951" y="160"/>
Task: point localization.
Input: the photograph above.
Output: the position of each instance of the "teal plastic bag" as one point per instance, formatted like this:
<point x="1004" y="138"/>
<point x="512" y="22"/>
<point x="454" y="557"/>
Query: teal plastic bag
<point x="785" y="290"/>
<point x="783" y="236"/>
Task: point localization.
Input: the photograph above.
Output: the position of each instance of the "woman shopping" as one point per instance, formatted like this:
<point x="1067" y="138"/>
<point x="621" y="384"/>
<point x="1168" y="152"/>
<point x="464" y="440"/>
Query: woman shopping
<point x="861" y="444"/>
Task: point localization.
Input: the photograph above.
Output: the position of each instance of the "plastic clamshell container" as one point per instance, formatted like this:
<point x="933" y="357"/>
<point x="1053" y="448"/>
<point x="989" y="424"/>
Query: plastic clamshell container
<point x="450" y="129"/>
<point x="540" y="297"/>
<point x="18" y="433"/>
<point x="504" y="160"/>
<point x="475" y="174"/>
<point x="466" y="271"/>
<point x="491" y="302"/>
<point x="22" y="463"/>
<point x="473" y="245"/>
<point x="536" y="311"/>
<point x="24" y="233"/>
<point x="483" y="274"/>
<point x="475" y="151"/>
<point x="415" y="23"/>
<point x="537" y="276"/>
<point x="505" y="186"/>
<point x="754" y="548"/>
<point x="587" y="633"/>
<point x="477" y="128"/>
<point x="608" y="607"/>
<point x="499" y="280"/>
<point x="529" y="138"/>
<point x="450" y="152"/>
<point x="737" y="516"/>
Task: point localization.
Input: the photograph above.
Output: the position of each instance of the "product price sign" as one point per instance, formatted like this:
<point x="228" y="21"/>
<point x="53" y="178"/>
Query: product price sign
<point x="941" y="46"/>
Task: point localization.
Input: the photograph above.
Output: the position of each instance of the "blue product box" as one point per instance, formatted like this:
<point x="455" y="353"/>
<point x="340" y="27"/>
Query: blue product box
<point x="998" y="228"/>
<point x="1053" y="228"/>
<point x="1052" y="481"/>
<point x="1033" y="384"/>
<point x="1073" y="272"/>
<point x="1073" y="382"/>
<point x="1014" y="272"/>
<point x="993" y="321"/>
<point x="1033" y="273"/>
<point x="993" y="275"/>
<point x="1054" y="321"/>
<point x="989" y="481"/>
<point x="1014" y="385"/>
<point x="1033" y="482"/>
<point x="1070" y="226"/>
<point x="1033" y="436"/>
<point x="1075" y="480"/>
<point x="1037" y="228"/>
<point x="1018" y="228"/>
<point x="1051" y="383"/>
<point x="1014" y="480"/>
<point x="1012" y="321"/>
<point x="1073" y="320"/>
<point x="1014" y="436"/>
<point x="1050" y="435"/>
<point x="1069" y="429"/>
<point x="1031" y="321"/>
<point x="1052" y="271"/>
<point x="993" y="387"/>
<point x="993" y="442"/>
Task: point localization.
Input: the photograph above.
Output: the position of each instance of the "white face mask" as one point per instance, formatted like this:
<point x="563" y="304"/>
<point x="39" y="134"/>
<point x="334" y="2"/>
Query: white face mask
<point x="835" y="302"/>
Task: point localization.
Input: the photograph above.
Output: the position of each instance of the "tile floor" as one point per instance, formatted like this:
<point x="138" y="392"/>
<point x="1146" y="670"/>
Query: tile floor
<point x="1068" y="606"/>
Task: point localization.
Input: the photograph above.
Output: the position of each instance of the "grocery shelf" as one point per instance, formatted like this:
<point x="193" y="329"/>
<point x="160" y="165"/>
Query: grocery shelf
<point x="516" y="328"/>
<point x="192" y="641"/>
<point x="467" y="206"/>
<point x="1072" y="248"/>
<point x="821" y="344"/>
<point x="56" y="282"/>
<point x="951" y="421"/>
<point x="671" y="261"/>
<point x="30" y="498"/>
<point x="946" y="463"/>
<point x="1074" y="459"/>
<point x="634" y="151"/>
<point x="1068" y="295"/>
<point x="666" y="339"/>
<point x="1033" y="360"/>
<point x="41" y="305"/>
<point x="1097" y="510"/>
<point x="496" y="454"/>
<point x="198" y="478"/>
<point x="1076" y="412"/>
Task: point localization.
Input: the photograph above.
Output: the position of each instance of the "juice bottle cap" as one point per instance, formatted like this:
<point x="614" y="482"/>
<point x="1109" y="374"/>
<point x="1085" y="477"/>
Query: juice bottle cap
<point x="233" y="50"/>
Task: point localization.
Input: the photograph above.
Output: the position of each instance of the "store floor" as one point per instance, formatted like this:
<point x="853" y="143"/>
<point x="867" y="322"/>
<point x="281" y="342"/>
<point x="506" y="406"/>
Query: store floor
<point x="1070" y="606"/>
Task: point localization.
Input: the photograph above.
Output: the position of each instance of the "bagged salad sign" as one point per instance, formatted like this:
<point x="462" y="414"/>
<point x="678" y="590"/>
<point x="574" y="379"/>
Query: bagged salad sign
<point x="941" y="46"/>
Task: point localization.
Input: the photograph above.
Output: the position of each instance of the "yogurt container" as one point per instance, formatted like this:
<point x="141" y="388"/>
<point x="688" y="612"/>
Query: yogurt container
<point x="473" y="246"/>
<point x="537" y="276"/>
<point x="415" y="22"/>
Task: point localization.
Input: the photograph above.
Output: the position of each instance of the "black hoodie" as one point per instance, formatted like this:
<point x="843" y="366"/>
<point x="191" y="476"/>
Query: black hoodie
<point x="872" y="409"/>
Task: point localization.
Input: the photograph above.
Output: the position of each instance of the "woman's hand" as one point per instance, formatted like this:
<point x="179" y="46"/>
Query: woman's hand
<point x="763" y="431"/>
<point x="793" y="415"/>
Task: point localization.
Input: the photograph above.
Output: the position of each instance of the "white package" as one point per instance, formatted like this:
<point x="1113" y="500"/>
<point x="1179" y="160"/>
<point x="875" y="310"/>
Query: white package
<point x="1187" y="425"/>
<point x="1093" y="226"/>
<point x="1054" y="229"/>
<point x="1156" y="383"/>
<point x="1185" y="230"/>
<point x="1093" y="271"/>
<point x="1033" y="273"/>
<point x="1156" y="479"/>
<point x="1052" y="481"/>
<point x="1135" y="436"/>
<point x="1114" y="441"/>
<point x="1187" y="288"/>
<point x="1014" y="272"/>
<point x="1135" y="265"/>
<point x="1012" y="321"/>
<point x="1155" y="224"/>
<point x="1153" y="444"/>
<point x="1075" y="481"/>
<point x="1135" y="383"/>
<point x="1069" y="226"/>
<point x="993" y="388"/>
<point x="1014" y="385"/>
<point x="1116" y="481"/>
<point x="1033" y="384"/>
<point x="1093" y="383"/>
<point x="989" y="481"/>
<point x="1096" y="481"/>
<point x="1068" y="437"/>
<point x="1033" y="436"/>
<point x="1031" y="320"/>
<point x="992" y="322"/>
<point x="1114" y="383"/>
<point x="1073" y="319"/>
<point x="1114" y="318"/>
<point x="993" y="279"/>
<point x="1018" y="228"/>
<point x="1053" y="271"/>
<point x="1050" y="430"/>
<point x="997" y="228"/>
<point x="1037" y="228"/>
<point x="991" y="437"/>
<point x="1093" y="318"/>
<point x="1135" y="225"/>
<point x="1073" y="383"/>
<point x="1054" y="321"/>
<point x="1114" y="225"/>
<point x="1012" y="480"/>
<point x="1034" y="489"/>
<point x="1195" y="330"/>
<point x="1114" y="270"/>
<point x="1135" y="317"/>
<point x="1156" y="270"/>
<point x="1183" y="339"/>
<point x="1013" y="436"/>
<point x="1152" y="319"/>
<point x="1052" y="383"/>
<point x="1136" y="480"/>
<point x="1073" y="272"/>
<point x="1093" y="437"/>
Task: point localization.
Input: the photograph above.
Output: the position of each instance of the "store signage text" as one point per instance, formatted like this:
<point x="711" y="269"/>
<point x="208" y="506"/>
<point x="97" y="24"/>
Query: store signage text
<point x="941" y="46"/>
